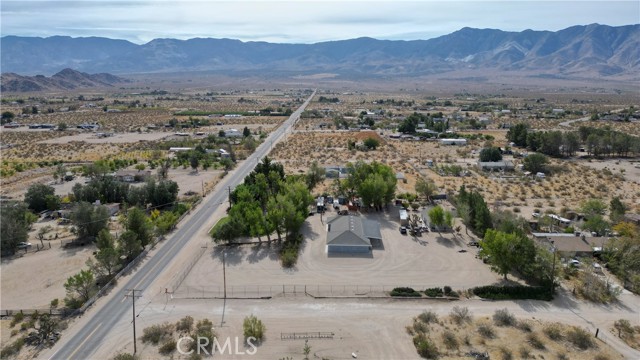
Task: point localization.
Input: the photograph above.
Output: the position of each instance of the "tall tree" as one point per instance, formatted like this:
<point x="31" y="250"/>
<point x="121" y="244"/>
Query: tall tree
<point x="315" y="175"/>
<point x="490" y="154"/>
<point x="89" y="219"/>
<point x="138" y="222"/>
<point x="436" y="216"/>
<point x="506" y="251"/>
<point x="14" y="226"/>
<point x="617" y="209"/>
<point x="535" y="162"/>
<point x="129" y="244"/>
<point x="36" y="196"/>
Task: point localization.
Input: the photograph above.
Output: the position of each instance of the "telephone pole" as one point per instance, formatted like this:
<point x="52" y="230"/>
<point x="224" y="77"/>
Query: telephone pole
<point x="132" y="294"/>
<point x="229" y="188"/>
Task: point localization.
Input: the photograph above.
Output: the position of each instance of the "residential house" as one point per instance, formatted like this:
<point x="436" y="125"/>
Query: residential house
<point x="351" y="235"/>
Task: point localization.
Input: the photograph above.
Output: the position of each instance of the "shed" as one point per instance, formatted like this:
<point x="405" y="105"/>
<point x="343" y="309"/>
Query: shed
<point x="400" y="176"/>
<point x="351" y="234"/>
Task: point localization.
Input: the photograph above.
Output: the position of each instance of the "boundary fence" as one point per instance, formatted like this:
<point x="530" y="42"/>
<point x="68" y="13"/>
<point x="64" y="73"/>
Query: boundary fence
<point x="307" y="335"/>
<point x="291" y="290"/>
<point x="52" y="311"/>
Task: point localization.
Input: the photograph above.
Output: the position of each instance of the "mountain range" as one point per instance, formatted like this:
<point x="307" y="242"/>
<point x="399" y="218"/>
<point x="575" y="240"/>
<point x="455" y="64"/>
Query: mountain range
<point x="66" y="79"/>
<point x="578" y="51"/>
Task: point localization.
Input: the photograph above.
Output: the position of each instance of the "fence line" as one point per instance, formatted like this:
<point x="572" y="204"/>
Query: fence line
<point x="268" y="291"/>
<point x="178" y="281"/>
<point x="49" y="311"/>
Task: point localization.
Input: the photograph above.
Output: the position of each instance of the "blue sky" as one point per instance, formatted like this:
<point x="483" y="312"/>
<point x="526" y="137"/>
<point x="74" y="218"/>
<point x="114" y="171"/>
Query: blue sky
<point x="299" y="21"/>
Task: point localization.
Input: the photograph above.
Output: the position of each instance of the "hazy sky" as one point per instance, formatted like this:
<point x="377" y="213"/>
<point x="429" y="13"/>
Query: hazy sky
<point x="299" y="21"/>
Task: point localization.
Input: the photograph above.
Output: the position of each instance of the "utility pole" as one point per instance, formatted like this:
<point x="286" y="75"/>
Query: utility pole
<point x="224" y="272"/>
<point x="202" y="181"/>
<point x="133" y="297"/>
<point x="229" y="188"/>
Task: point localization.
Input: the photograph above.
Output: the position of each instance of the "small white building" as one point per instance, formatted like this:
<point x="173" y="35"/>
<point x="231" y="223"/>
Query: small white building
<point x="453" y="141"/>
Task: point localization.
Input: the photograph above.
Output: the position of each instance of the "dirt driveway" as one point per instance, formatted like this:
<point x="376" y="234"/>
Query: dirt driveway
<point x="401" y="260"/>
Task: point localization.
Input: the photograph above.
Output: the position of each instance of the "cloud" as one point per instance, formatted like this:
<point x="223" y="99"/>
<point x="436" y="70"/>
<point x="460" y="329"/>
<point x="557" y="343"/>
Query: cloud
<point x="300" y="21"/>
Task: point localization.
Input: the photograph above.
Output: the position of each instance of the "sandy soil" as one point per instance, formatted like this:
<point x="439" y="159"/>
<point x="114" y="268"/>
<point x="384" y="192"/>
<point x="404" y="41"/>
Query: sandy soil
<point x="45" y="272"/>
<point x="118" y="138"/>
<point x="188" y="180"/>
<point x="429" y="260"/>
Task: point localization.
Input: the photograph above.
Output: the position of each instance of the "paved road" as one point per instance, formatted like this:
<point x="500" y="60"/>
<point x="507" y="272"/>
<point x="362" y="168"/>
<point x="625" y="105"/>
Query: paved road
<point x="104" y="319"/>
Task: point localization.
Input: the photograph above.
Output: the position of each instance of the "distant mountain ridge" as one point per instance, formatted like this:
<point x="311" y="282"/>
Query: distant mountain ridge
<point x="581" y="51"/>
<point x="66" y="79"/>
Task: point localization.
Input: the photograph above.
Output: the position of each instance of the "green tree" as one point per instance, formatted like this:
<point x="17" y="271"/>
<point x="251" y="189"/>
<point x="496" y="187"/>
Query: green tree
<point x="194" y="161"/>
<point x="371" y="143"/>
<point x="518" y="134"/>
<point x="52" y="202"/>
<point x="165" y="222"/>
<point x="62" y="126"/>
<point x="14" y="226"/>
<point x="593" y="207"/>
<point x="246" y="132"/>
<point x="227" y="229"/>
<point x="36" y="196"/>
<point x="106" y="264"/>
<point x="129" y="244"/>
<point x="89" y="219"/>
<point x="506" y="251"/>
<point x="105" y="240"/>
<point x="597" y="224"/>
<point x="448" y="219"/>
<point x="535" y="162"/>
<point x="425" y="188"/>
<point x="436" y="216"/>
<point x="315" y="175"/>
<point x="490" y="154"/>
<point x="617" y="209"/>
<point x="7" y="117"/>
<point x="138" y="222"/>
<point x="81" y="286"/>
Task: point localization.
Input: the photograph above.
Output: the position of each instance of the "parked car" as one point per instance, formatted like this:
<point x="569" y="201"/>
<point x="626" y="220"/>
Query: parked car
<point x="474" y="243"/>
<point x="403" y="230"/>
<point x="343" y="212"/>
<point x="24" y="245"/>
<point x="574" y="263"/>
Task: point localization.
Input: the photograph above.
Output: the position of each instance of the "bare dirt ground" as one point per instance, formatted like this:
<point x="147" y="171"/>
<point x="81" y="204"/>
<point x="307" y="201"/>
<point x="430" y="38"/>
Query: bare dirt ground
<point x="117" y="138"/>
<point x="191" y="181"/>
<point x="44" y="272"/>
<point x="426" y="261"/>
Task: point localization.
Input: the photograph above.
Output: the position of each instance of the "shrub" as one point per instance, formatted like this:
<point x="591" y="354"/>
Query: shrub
<point x="525" y="353"/>
<point x="624" y="328"/>
<point x="156" y="333"/>
<point x="506" y="353"/>
<point x="513" y="292"/>
<point x="54" y="303"/>
<point x="553" y="332"/>
<point x="535" y="342"/>
<point x="405" y="292"/>
<point x="123" y="356"/>
<point x="601" y="357"/>
<point x="449" y="340"/>
<point x="17" y="318"/>
<point x="425" y="347"/>
<point x="168" y="347"/>
<point x="420" y="328"/>
<point x="460" y="315"/>
<point x="447" y="290"/>
<point x="428" y="317"/>
<point x="580" y="338"/>
<point x="253" y="327"/>
<point x="504" y="318"/>
<point x="434" y="292"/>
<point x="12" y="349"/>
<point x="524" y="326"/>
<point x="487" y="331"/>
<point x="185" y="324"/>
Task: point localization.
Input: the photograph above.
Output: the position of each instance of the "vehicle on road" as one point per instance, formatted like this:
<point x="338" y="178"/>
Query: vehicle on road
<point x="24" y="245"/>
<point x="403" y="230"/>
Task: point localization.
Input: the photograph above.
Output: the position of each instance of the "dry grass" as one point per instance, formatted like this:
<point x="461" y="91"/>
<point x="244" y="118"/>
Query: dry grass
<point x="454" y="339"/>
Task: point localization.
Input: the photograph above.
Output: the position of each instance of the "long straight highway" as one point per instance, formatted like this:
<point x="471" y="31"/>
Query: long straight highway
<point x="103" y="317"/>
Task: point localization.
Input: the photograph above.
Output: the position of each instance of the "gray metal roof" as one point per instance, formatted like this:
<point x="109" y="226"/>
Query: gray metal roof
<point x="352" y="230"/>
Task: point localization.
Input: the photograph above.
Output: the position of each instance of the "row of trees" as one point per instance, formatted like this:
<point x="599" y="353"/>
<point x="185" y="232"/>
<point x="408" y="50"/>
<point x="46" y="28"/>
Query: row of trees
<point x="109" y="190"/>
<point x="473" y="210"/>
<point x="597" y="141"/>
<point x="266" y="202"/>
